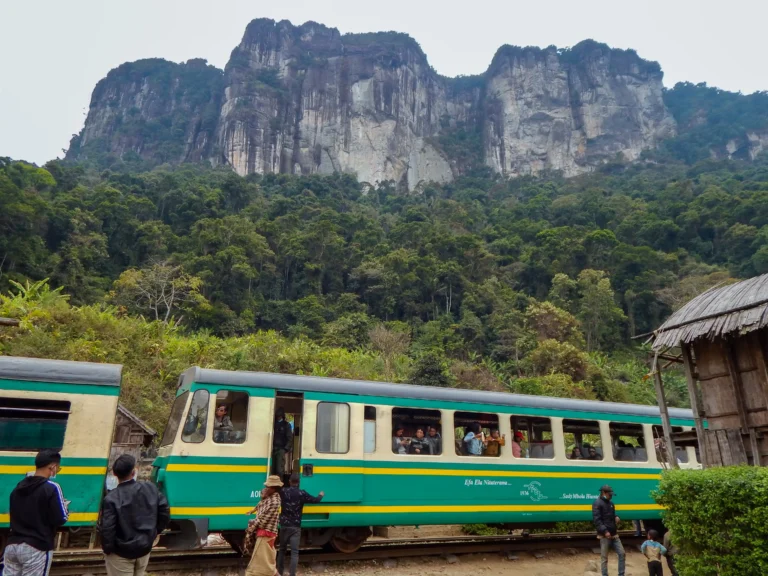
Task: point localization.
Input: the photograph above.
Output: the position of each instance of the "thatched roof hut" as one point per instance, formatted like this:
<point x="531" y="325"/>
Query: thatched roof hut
<point x="722" y="337"/>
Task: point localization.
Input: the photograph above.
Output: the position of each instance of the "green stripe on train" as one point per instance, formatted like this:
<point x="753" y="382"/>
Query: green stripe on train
<point x="59" y="387"/>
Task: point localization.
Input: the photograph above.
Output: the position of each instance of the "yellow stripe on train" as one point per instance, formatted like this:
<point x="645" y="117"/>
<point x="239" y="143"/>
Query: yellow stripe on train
<point x="65" y="470"/>
<point x="236" y="510"/>
<point x="418" y="472"/>
<point x="214" y="468"/>
<point x="492" y="473"/>
<point x="73" y="517"/>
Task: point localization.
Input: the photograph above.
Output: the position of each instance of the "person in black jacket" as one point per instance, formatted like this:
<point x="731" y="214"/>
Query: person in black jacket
<point x="132" y="515"/>
<point x="606" y="523"/>
<point x="282" y="442"/>
<point x="292" y="500"/>
<point x="37" y="509"/>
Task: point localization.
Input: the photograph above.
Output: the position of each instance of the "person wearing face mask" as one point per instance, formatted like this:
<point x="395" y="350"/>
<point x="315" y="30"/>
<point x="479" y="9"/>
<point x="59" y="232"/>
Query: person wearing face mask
<point x="37" y="510"/>
<point x="132" y="515"/>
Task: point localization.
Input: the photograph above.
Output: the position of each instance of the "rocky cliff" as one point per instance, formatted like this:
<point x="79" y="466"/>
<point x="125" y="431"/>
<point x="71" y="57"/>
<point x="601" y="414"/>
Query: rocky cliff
<point x="306" y="99"/>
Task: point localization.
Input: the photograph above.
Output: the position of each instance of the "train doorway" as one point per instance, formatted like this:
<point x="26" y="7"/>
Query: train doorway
<point x="286" y="434"/>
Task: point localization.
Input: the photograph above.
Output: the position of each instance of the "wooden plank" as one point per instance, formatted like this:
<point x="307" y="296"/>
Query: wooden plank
<point x="710" y="446"/>
<point x="738" y="391"/>
<point x="726" y="454"/>
<point x="666" y="424"/>
<point x="762" y="363"/>
<point x="738" y="453"/>
<point x="754" y="447"/>
<point x="693" y="393"/>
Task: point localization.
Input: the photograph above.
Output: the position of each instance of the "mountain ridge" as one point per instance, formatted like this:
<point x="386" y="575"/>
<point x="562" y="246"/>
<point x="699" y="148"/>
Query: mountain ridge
<point x="307" y="99"/>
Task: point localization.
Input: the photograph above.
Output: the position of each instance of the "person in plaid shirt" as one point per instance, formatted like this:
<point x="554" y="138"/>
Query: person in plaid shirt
<point x="267" y="515"/>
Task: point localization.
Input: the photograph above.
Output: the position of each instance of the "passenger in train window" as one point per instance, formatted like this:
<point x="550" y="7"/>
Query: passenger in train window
<point x="222" y="421"/>
<point x="576" y="454"/>
<point x="517" y="441"/>
<point x="435" y="441"/>
<point x="419" y="445"/>
<point x="474" y="440"/>
<point x="593" y="455"/>
<point x="400" y="442"/>
<point x="494" y="444"/>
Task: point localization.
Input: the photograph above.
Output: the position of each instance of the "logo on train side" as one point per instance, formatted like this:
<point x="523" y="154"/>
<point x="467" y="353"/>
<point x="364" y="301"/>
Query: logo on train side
<point x="533" y="490"/>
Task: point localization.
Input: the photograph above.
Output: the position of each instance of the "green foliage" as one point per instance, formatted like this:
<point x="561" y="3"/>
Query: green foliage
<point x="719" y="520"/>
<point x="431" y="369"/>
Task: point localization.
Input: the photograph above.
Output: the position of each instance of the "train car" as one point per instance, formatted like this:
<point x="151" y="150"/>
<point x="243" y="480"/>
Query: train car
<point x="69" y="406"/>
<point x="556" y="455"/>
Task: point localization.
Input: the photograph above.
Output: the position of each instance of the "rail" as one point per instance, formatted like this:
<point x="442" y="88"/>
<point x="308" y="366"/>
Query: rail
<point x="71" y="563"/>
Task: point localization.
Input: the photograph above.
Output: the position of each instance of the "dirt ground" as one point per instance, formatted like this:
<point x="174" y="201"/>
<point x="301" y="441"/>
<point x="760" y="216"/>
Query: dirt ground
<point x="554" y="563"/>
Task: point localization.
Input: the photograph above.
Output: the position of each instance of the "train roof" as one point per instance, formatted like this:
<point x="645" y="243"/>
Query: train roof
<point x="367" y="388"/>
<point x="59" y="371"/>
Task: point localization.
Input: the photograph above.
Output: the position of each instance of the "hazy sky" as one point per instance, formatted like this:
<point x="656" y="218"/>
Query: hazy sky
<point x="54" y="52"/>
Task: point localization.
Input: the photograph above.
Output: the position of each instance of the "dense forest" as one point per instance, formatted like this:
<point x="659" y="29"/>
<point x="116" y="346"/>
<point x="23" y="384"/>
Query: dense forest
<point x="538" y="285"/>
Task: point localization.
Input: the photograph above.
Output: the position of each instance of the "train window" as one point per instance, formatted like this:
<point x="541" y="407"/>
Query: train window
<point x="628" y="442"/>
<point x="369" y="429"/>
<point x="29" y="424"/>
<point x="231" y="418"/>
<point x="477" y="434"/>
<point x="582" y="440"/>
<point x="197" y="418"/>
<point x="174" y="420"/>
<point x="332" y="428"/>
<point x="659" y="444"/>
<point x="416" y="431"/>
<point x="532" y="437"/>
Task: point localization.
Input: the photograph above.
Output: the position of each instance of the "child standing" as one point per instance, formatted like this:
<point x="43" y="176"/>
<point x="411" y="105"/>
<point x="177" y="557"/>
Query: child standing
<point x="653" y="552"/>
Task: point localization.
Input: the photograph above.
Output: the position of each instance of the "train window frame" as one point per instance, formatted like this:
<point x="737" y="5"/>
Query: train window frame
<point x="369" y="432"/>
<point x="205" y="408"/>
<point x="348" y="429"/>
<point x="48" y="418"/>
<point x="659" y="429"/>
<point x="173" y="425"/>
<point x="513" y="428"/>
<point x="432" y="416"/>
<point x="216" y="435"/>
<point x="575" y="422"/>
<point x="615" y="429"/>
<point x="460" y="442"/>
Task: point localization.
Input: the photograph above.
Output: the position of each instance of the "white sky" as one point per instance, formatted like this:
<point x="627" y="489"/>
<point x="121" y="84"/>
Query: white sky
<point x="54" y="51"/>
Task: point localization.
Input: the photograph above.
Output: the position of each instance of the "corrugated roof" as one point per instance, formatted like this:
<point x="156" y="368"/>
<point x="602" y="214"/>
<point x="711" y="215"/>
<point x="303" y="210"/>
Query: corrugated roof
<point x="739" y="307"/>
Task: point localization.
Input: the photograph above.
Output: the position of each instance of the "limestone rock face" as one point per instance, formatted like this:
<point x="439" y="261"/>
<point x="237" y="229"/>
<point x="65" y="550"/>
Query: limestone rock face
<point x="306" y="99"/>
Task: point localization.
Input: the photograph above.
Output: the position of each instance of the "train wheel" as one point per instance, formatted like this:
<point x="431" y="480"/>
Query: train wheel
<point x="349" y="540"/>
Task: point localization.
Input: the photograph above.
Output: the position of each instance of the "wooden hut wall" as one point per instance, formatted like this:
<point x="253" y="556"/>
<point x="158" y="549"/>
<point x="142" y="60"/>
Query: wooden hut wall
<point x="734" y="397"/>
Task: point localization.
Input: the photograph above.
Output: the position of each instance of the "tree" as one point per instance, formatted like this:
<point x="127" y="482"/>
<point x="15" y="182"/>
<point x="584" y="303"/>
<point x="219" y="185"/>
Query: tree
<point x="601" y="319"/>
<point x="431" y="369"/>
<point x="390" y="344"/>
<point x="162" y="290"/>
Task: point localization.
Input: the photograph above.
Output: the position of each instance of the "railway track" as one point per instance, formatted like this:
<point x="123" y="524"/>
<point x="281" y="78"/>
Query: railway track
<point x="90" y="562"/>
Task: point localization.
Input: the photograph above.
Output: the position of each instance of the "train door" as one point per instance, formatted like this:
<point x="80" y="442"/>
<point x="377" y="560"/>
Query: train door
<point x="287" y="434"/>
<point x="332" y="450"/>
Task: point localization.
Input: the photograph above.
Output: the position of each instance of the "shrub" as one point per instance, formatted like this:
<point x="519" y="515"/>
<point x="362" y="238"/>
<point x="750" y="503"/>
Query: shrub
<point x="719" y="519"/>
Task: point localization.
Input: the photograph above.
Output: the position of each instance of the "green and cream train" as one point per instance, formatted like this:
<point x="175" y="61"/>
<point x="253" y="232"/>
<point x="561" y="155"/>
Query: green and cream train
<point x="553" y="456"/>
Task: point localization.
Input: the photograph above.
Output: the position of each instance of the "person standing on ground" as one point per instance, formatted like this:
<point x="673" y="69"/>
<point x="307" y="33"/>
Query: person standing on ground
<point x="37" y="510"/>
<point x="653" y="551"/>
<point x="671" y="552"/>
<point x="132" y="515"/>
<point x="267" y="515"/>
<point x="606" y="523"/>
<point x="293" y="499"/>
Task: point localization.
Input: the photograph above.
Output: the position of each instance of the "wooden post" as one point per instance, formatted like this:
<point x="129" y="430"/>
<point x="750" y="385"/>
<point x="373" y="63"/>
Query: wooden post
<point x="696" y="405"/>
<point x="665" y="423"/>
<point x="738" y="390"/>
<point x="9" y="322"/>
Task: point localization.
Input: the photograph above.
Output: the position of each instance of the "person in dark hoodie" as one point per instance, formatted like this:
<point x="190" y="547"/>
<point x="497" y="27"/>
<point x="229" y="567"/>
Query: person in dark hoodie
<point x="37" y="509"/>
<point x="132" y="515"/>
